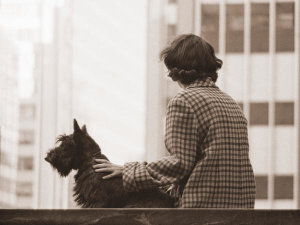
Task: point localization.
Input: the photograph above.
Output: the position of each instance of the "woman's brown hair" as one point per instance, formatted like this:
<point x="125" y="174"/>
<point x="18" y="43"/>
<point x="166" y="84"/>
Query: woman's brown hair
<point x="189" y="58"/>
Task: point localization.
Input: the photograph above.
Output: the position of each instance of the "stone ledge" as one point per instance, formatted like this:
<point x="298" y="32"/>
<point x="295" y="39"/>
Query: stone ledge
<point x="149" y="217"/>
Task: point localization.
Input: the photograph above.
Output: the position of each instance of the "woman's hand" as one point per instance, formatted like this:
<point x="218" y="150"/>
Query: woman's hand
<point x="103" y="165"/>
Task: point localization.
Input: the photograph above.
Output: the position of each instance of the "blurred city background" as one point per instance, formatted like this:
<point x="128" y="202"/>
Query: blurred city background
<point x="98" y="61"/>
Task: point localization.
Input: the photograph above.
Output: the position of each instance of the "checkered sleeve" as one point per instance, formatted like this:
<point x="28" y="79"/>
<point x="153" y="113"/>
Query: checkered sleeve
<point x="180" y="140"/>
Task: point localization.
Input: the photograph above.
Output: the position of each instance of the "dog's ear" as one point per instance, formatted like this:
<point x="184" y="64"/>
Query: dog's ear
<point x="84" y="129"/>
<point x="76" y="126"/>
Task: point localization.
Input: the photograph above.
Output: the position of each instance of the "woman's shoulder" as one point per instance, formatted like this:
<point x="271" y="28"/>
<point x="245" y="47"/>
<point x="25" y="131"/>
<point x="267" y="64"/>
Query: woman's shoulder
<point x="203" y="97"/>
<point x="180" y="100"/>
<point x="195" y="94"/>
<point x="188" y="98"/>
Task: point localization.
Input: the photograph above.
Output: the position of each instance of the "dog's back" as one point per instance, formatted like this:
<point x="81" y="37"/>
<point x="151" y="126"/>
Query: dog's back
<point x="91" y="191"/>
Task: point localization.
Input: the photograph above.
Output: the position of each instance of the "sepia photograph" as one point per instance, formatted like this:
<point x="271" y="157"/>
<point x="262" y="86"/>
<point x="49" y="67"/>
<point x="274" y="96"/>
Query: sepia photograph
<point x="150" y="112"/>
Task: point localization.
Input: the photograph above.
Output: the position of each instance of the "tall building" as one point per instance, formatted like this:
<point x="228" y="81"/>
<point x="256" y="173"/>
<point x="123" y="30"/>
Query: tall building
<point x="91" y="72"/>
<point x="88" y="63"/>
<point x="8" y="121"/>
<point x="258" y="42"/>
<point x="21" y="21"/>
<point x="27" y="141"/>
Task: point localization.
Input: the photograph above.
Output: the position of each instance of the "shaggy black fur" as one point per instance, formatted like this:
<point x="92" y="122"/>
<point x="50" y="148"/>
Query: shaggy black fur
<point x="77" y="151"/>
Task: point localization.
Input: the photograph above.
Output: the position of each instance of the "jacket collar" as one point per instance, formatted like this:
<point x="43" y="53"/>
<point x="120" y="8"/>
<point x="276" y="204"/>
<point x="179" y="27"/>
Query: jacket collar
<point x="208" y="82"/>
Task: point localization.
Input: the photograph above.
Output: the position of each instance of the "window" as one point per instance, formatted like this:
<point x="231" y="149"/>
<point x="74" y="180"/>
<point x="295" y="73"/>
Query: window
<point x="171" y="19"/>
<point x="284" y="113"/>
<point x="234" y="28"/>
<point x="283" y="187"/>
<point x="241" y="105"/>
<point x="261" y="187"/>
<point x="285" y="27"/>
<point x="259" y="113"/>
<point x="24" y="189"/>
<point x="26" y="137"/>
<point x="25" y="163"/>
<point x="210" y="24"/>
<point x="27" y="112"/>
<point x="259" y="27"/>
<point x="171" y="32"/>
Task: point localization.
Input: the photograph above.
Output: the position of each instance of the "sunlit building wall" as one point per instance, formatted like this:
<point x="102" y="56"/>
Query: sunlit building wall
<point x="156" y="83"/>
<point x="91" y="72"/>
<point x="109" y="74"/>
<point x="258" y="42"/>
<point x="54" y="108"/>
<point x="8" y="121"/>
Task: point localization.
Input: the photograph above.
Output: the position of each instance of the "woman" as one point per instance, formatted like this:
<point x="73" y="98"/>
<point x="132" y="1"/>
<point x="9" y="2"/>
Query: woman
<point x="206" y="136"/>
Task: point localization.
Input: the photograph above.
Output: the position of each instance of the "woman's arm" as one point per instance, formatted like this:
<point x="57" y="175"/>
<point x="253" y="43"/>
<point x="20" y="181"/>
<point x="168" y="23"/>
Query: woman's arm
<point x="181" y="142"/>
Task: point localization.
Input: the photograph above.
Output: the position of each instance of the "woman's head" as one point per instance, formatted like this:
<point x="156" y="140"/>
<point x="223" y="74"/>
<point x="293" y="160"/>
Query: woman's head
<point x="189" y="57"/>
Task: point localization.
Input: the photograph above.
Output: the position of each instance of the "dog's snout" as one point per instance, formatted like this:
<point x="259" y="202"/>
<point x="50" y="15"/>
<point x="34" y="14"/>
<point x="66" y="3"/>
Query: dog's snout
<point x="48" y="158"/>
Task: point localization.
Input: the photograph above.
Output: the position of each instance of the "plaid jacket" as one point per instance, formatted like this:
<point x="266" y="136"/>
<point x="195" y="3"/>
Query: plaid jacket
<point x="206" y="136"/>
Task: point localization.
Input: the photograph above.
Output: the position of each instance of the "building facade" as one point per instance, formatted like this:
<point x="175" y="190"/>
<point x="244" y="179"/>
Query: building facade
<point x="26" y="153"/>
<point x="82" y="68"/>
<point x="86" y="71"/>
<point x="8" y="121"/>
<point x="258" y="42"/>
<point x="20" y="22"/>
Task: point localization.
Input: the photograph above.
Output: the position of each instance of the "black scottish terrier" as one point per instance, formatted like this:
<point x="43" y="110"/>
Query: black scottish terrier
<point x="77" y="151"/>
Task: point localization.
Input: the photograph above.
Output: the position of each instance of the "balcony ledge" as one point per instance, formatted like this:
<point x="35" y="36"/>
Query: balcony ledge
<point x="149" y="217"/>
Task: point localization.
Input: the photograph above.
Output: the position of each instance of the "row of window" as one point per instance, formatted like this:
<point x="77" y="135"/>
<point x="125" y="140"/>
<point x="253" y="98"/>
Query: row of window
<point x="259" y="113"/>
<point x="283" y="187"/>
<point x="260" y="22"/>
